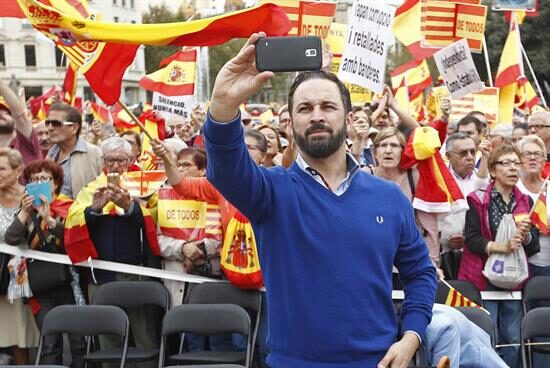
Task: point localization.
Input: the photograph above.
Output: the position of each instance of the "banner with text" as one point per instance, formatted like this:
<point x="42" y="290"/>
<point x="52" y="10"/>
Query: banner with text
<point x="316" y="18"/>
<point x="366" y="50"/>
<point x="172" y="105"/>
<point x="456" y="66"/>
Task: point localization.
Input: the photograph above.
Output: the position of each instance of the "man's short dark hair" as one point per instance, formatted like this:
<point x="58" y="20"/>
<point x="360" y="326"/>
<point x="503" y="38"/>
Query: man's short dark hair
<point x="469" y="119"/>
<point x="355" y="109"/>
<point x="320" y="74"/>
<point x="261" y="140"/>
<point x="71" y="114"/>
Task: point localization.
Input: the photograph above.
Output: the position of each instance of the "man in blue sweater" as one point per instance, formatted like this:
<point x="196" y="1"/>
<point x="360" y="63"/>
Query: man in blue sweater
<point x="328" y="233"/>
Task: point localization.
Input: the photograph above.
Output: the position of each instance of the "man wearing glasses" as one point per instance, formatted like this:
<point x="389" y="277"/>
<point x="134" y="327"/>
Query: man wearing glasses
<point x="81" y="161"/>
<point x="539" y="124"/>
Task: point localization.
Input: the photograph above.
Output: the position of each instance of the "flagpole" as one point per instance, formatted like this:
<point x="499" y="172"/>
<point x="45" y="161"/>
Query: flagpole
<point x="141" y="126"/>
<point x="544" y="183"/>
<point x="487" y="64"/>
<point x="534" y="76"/>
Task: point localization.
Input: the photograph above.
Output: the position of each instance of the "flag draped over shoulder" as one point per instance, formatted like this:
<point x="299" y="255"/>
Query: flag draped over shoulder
<point x="406" y="29"/>
<point x="175" y="79"/>
<point x="436" y="191"/>
<point x="69" y="27"/>
<point x="78" y="244"/>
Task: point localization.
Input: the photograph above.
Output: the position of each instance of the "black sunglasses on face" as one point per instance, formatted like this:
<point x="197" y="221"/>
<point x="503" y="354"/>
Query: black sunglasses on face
<point x="57" y="123"/>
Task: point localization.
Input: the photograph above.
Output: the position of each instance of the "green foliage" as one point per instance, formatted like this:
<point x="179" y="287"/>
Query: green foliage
<point x="154" y="54"/>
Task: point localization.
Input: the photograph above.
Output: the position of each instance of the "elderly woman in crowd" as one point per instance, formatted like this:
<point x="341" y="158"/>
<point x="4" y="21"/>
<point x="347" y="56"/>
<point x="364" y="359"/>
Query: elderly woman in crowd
<point x="17" y="326"/>
<point x="42" y="228"/>
<point x="388" y="147"/>
<point x="487" y="208"/>
<point x="273" y="156"/>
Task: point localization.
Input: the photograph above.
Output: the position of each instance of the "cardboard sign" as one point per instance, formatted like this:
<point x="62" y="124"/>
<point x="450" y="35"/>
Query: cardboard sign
<point x="366" y="50"/>
<point x="316" y="18"/>
<point x="456" y="66"/>
<point x="172" y="105"/>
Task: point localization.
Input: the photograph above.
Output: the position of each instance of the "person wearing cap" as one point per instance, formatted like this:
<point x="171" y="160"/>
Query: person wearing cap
<point x="327" y="232"/>
<point x="16" y="127"/>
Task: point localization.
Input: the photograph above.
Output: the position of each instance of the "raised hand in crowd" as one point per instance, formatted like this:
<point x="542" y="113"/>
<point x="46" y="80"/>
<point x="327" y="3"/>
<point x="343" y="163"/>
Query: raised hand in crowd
<point x="172" y="172"/>
<point x="446" y="108"/>
<point x="119" y="196"/>
<point x="236" y="82"/>
<point x="95" y="128"/>
<point x="404" y="117"/>
<point x="291" y="151"/>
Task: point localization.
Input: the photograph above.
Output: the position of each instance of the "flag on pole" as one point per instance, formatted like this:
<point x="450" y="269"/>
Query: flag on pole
<point x="457" y="299"/>
<point x="100" y="113"/>
<point x="416" y="74"/>
<point x="406" y="28"/>
<point x="539" y="214"/>
<point x="68" y="27"/>
<point x="175" y="79"/>
<point x="70" y="84"/>
<point x="526" y="97"/>
<point x="10" y="9"/>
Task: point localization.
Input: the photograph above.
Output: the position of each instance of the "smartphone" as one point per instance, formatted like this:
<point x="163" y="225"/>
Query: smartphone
<point x="289" y="54"/>
<point x="113" y="178"/>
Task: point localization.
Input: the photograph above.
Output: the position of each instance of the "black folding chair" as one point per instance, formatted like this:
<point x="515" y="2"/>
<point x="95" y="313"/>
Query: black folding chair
<point x="536" y="323"/>
<point x="131" y="294"/>
<point x="225" y="293"/>
<point x="88" y="321"/>
<point x="536" y="293"/>
<point x="206" y="320"/>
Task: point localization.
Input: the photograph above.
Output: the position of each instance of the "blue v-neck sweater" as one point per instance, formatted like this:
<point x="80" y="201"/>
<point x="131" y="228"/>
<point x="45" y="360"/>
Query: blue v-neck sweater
<point x="326" y="259"/>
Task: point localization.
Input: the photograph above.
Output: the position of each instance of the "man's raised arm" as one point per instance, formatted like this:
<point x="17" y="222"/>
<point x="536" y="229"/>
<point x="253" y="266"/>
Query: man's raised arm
<point x="18" y="111"/>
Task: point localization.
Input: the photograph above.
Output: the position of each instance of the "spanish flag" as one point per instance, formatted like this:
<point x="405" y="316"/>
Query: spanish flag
<point x="43" y="102"/>
<point x="70" y="84"/>
<point x="406" y="29"/>
<point x="154" y="124"/>
<point x="436" y="191"/>
<point x="100" y="113"/>
<point x="66" y="27"/>
<point x="416" y="74"/>
<point x="539" y="214"/>
<point x="175" y="79"/>
<point x="78" y="244"/>
<point x="526" y="97"/>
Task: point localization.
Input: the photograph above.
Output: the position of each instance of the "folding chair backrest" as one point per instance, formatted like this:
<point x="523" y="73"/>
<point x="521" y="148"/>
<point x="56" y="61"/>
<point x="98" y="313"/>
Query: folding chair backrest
<point x="127" y="294"/>
<point x="536" y="323"/>
<point x="224" y="293"/>
<point x="86" y="320"/>
<point x="206" y="319"/>
<point x="481" y="319"/>
<point x="536" y="289"/>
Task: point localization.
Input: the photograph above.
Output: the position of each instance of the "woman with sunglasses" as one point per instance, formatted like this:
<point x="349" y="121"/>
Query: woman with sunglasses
<point x="41" y="227"/>
<point x="487" y="208"/>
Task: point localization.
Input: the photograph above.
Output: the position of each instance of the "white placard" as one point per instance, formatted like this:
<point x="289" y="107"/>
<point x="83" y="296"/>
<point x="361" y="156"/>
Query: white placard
<point x="366" y="49"/>
<point x="458" y="70"/>
<point x="172" y="105"/>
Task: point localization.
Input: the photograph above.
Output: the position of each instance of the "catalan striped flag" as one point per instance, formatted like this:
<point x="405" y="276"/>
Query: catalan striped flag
<point x="486" y="100"/>
<point x="438" y="23"/>
<point x="175" y="79"/>
<point x="316" y="17"/>
<point x="539" y="214"/>
<point x="70" y="84"/>
<point x="78" y="244"/>
<point x="66" y="26"/>
<point x="143" y="183"/>
<point x="457" y="299"/>
<point x="406" y="28"/>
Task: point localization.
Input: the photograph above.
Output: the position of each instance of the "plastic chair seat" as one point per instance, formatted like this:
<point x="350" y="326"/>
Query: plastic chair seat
<point x="210" y="357"/>
<point x="113" y="355"/>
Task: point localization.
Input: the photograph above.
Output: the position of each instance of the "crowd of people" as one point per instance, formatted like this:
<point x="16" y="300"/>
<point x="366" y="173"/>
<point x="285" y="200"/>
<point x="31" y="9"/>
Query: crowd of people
<point x="334" y="235"/>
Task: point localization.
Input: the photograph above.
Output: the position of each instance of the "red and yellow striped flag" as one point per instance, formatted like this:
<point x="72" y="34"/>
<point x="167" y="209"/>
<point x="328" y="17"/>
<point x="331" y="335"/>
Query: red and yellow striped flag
<point x="316" y="18"/>
<point x="456" y="299"/>
<point x="70" y="84"/>
<point x="526" y="97"/>
<point x="406" y="28"/>
<point x="143" y="183"/>
<point x="67" y="27"/>
<point x="539" y="215"/>
<point x="100" y="113"/>
<point x="175" y="79"/>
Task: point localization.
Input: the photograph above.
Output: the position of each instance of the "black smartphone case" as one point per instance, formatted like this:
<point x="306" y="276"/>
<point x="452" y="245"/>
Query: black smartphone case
<point x="289" y="54"/>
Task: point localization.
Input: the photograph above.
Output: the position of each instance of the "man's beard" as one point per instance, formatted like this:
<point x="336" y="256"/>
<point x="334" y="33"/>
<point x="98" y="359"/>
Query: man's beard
<point x="6" y="127"/>
<point x="320" y="147"/>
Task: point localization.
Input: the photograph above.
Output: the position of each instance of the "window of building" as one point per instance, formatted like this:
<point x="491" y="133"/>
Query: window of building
<point x="30" y="55"/>
<point x="59" y="58"/>
<point x="132" y="4"/>
<point x="116" y="19"/>
<point x="33" y="91"/>
<point x="114" y="2"/>
<point x="2" y="57"/>
<point x="123" y="3"/>
<point x="25" y="24"/>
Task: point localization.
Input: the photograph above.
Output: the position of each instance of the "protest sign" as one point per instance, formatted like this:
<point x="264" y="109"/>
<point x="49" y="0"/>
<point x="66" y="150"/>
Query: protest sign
<point x="456" y="66"/>
<point x="316" y="18"/>
<point x="365" y="53"/>
<point x="528" y="5"/>
<point x="172" y="105"/>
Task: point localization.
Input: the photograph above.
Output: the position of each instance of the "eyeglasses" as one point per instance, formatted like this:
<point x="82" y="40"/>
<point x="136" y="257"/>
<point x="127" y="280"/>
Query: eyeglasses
<point x="508" y="163"/>
<point x="538" y="126"/>
<point x="57" y="123"/>
<point x="40" y="179"/>
<point x="185" y="164"/>
<point x="535" y="154"/>
<point x="464" y="153"/>
<point x="111" y="161"/>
